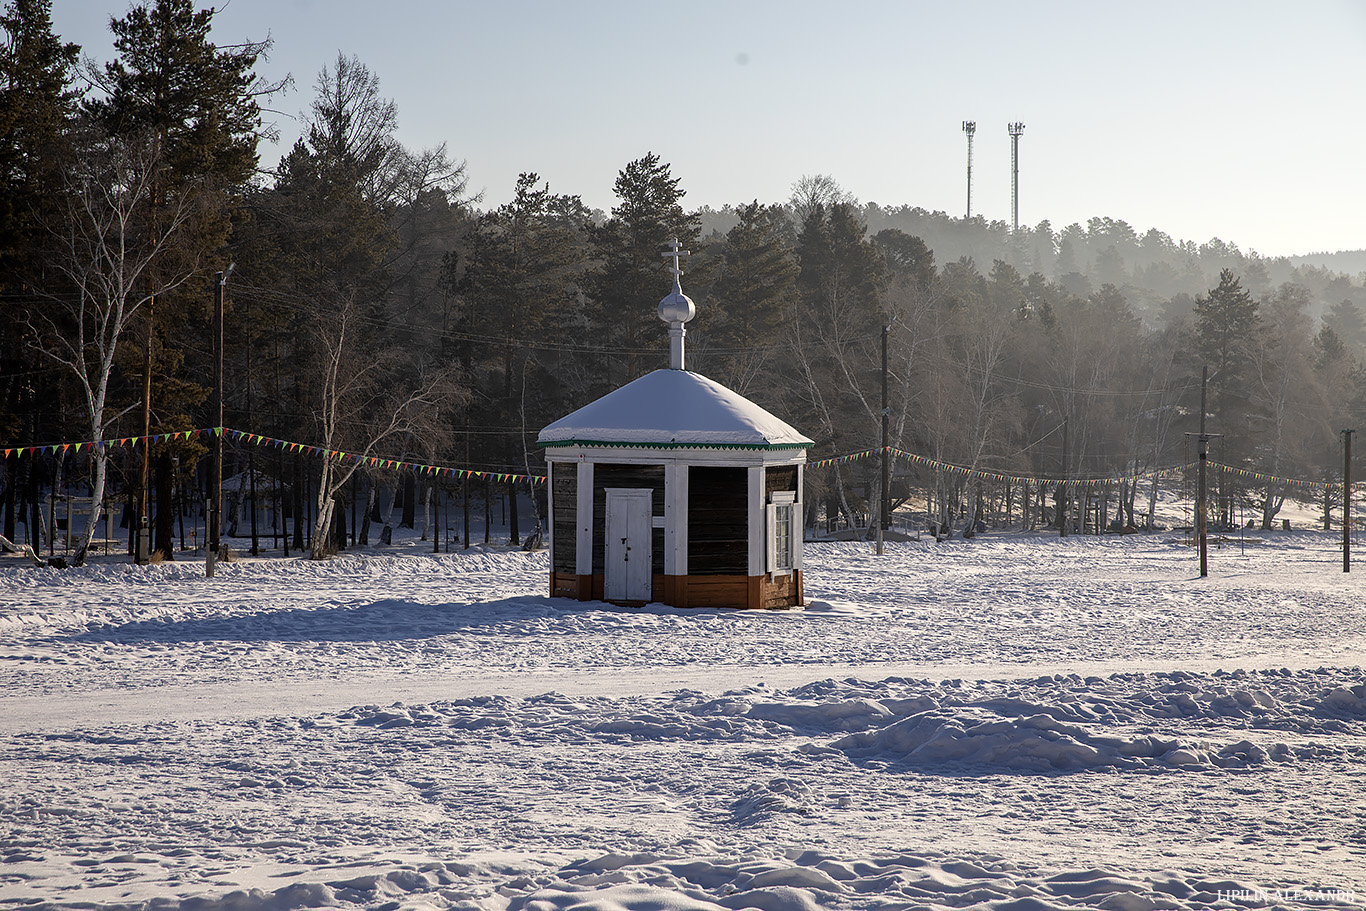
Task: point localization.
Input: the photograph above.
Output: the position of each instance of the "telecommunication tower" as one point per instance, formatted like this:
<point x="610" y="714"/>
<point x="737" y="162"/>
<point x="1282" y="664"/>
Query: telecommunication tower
<point x="969" y="127"/>
<point x="1015" y="130"/>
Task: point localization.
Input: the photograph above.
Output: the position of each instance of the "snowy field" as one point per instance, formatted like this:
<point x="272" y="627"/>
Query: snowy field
<point x="1018" y="723"/>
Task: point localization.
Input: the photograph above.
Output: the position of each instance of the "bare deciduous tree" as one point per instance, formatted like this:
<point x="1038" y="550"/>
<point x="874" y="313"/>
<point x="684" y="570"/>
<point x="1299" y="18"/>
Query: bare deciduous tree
<point x="104" y="250"/>
<point x="813" y="190"/>
<point x="367" y="399"/>
<point x="1296" y="408"/>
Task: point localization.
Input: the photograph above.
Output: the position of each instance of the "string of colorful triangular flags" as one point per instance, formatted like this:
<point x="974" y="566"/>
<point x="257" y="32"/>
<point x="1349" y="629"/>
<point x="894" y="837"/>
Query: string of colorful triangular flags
<point x="1080" y="483"/>
<point x="54" y="448"/>
<point x="257" y="439"/>
<point x="375" y="462"/>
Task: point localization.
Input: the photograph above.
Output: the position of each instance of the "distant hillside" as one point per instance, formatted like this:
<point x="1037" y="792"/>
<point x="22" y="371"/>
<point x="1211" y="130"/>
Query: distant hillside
<point x="1157" y="274"/>
<point x="1344" y="262"/>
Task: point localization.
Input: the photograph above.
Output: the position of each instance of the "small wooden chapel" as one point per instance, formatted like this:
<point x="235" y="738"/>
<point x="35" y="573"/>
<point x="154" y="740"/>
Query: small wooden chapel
<point x="675" y="489"/>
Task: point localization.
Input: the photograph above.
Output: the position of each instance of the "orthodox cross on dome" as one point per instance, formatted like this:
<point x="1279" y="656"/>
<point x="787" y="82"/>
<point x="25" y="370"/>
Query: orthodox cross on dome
<point x="675" y="254"/>
<point x="676" y="308"/>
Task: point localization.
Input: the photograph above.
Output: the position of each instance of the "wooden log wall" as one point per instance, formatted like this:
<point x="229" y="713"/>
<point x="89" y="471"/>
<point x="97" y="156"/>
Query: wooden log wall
<point x="564" y="477"/>
<point x="718" y="521"/>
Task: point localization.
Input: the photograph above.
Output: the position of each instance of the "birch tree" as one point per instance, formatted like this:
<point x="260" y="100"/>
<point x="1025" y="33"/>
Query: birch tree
<point x="366" y="376"/>
<point x="1295" y="410"/>
<point x="371" y="397"/>
<point x="198" y="101"/>
<point x="836" y="328"/>
<point x="104" y="249"/>
<point x="982" y="341"/>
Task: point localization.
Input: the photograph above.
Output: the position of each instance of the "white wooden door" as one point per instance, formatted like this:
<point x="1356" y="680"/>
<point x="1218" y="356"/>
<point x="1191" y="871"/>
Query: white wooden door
<point x="627" y="575"/>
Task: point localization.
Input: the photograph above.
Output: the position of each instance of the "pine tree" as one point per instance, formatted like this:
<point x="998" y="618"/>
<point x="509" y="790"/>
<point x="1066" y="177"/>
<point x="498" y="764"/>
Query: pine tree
<point x="1346" y="319"/>
<point x="37" y="103"/>
<point x="36" y="106"/>
<point x="907" y="256"/>
<point x="1228" y="332"/>
<point x="517" y="278"/>
<point x="751" y="295"/>
<point x="198" y="100"/>
<point x="194" y="105"/>
<point x="630" y="245"/>
<point x="145" y="184"/>
<point x="1226" y="325"/>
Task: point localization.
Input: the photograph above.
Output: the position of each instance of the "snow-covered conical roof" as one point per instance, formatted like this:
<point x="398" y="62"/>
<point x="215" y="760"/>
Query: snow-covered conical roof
<point x="673" y="409"/>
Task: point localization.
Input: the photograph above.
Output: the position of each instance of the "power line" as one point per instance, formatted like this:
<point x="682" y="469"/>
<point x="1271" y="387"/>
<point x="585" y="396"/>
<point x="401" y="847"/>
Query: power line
<point x="293" y="303"/>
<point x="288" y="301"/>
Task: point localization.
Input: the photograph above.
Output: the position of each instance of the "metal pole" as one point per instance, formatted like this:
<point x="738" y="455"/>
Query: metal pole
<point x="1200" y="526"/>
<point x="1014" y="181"/>
<point x="969" y="127"/>
<point x="1015" y="129"/>
<point x="1347" y="500"/>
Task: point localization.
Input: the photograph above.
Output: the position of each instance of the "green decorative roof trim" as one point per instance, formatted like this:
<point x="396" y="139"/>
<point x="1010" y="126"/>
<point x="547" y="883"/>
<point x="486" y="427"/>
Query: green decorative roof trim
<point x="547" y="444"/>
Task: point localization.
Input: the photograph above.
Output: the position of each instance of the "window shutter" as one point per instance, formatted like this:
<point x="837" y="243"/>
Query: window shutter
<point x="771" y="533"/>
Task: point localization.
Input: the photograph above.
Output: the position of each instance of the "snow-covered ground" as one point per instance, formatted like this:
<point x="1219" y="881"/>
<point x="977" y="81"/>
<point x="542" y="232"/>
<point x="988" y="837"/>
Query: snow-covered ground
<point x="1018" y="723"/>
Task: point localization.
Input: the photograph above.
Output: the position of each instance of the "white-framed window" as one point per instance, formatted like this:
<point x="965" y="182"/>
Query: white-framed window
<point x="783" y="544"/>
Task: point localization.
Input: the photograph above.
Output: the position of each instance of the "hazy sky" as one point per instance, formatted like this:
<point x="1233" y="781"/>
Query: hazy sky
<point x="1241" y="120"/>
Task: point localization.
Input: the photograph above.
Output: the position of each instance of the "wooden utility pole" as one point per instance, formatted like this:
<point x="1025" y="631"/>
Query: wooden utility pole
<point x="1201" y="529"/>
<point x="142" y="549"/>
<point x="1201" y="526"/>
<point x="886" y="507"/>
<point x="465" y="483"/>
<point x="1347" y="500"/>
<point x="251" y="462"/>
<point x="211" y="540"/>
<point x="1062" y="488"/>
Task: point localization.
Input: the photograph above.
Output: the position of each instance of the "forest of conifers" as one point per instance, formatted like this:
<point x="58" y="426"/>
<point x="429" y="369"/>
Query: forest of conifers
<point x="374" y="307"/>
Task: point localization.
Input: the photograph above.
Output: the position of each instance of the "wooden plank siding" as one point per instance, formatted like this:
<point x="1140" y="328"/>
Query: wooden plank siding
<point x="718" y="521"/>
<point x="605" y="475"/>
<point x="779" y="478"/>
<point x="780" y="591"/>
<point x="695" y="591"/>
<point x="564" y="477"/>
<point x="569" y="585"/>
<point x="737" y="591"/>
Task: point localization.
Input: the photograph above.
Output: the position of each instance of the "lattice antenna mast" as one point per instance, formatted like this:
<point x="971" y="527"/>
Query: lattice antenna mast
<point x="969" y="127"/>
<point x="1015" y="130"/>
